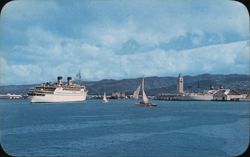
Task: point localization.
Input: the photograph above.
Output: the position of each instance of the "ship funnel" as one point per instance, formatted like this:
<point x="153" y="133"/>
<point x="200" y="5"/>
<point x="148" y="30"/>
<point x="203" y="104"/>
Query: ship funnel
<point x="211" y="87"/>
<point x="59" y="80"/>
<point x="69" y="82"/>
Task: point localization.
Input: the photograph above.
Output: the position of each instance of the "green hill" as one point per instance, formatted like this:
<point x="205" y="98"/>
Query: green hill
<point x="154" y="84"/>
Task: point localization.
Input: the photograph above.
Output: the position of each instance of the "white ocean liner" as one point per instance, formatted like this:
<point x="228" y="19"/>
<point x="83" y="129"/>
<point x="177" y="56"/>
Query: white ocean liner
<point x="58" y="92"/>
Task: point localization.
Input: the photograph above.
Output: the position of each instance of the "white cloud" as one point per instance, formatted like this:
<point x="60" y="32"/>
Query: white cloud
<point x="212" y="59"/>
<point x="113" y="36"/>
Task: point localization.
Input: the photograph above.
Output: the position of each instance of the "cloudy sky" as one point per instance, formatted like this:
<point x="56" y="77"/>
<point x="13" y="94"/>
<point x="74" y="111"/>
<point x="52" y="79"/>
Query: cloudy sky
<point x="121" y="39"/>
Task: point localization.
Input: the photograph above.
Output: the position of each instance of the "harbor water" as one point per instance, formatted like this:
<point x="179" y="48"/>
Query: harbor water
<point x="120" y="128"/>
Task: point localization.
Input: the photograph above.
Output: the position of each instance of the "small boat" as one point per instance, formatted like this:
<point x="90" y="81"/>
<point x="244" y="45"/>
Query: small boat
<point x="145" y="102"/>
<point x="105" y="100"/>
<point x="10" y="96"/>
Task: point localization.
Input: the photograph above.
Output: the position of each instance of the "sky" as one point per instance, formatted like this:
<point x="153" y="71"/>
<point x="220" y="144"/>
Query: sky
<point x="116" y="39"/>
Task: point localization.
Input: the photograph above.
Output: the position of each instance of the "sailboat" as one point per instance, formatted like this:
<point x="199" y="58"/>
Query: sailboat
<point x="105" y="100"/>
<point x="145" y="102"/>
<point x="136" y="92"/>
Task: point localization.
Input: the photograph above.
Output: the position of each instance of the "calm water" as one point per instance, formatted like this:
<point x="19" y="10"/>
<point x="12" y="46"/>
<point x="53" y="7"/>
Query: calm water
<point x="119" y="128"/>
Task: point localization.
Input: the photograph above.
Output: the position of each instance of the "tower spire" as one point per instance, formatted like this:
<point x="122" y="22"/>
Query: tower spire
<point x="180" y="84"/>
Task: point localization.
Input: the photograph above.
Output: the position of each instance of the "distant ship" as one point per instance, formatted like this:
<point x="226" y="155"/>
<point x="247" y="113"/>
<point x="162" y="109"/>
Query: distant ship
<point x="145" y="102"/>
<point x="58" y="92"/>
<point x="206" y="96"/>
<point x="105" y="100"/>
<point x="10" y="96"/>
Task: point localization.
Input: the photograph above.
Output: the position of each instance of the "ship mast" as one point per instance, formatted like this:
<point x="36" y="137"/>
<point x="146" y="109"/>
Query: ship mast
<point x="144" y="96"/>
<point x="78" y="77"/>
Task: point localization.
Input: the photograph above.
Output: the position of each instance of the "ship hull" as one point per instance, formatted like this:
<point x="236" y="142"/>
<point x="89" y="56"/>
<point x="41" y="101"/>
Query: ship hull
<point x="195" y="97"/>
<point x="145" y="104"/>
<point x="50" y="98"/>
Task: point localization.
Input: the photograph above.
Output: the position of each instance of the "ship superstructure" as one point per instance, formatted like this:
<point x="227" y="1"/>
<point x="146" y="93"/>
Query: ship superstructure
<point x="58" y="92"/>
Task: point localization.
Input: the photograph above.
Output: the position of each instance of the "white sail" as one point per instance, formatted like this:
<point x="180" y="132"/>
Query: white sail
<point x="144" y="96"/>
<point x="105" y="98"/>
<point x="136" y="92"/>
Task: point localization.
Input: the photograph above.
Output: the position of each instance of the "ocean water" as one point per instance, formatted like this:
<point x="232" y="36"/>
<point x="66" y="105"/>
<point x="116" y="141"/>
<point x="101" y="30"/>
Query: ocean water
<point x="120" y="128"/>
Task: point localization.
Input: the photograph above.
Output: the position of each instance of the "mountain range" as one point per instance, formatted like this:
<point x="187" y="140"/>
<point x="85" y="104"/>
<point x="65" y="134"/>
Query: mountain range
<point x="153" y="85"/>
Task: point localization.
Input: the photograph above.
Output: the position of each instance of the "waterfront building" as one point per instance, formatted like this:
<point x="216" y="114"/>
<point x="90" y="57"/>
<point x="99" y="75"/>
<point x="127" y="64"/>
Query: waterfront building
<point x="220" y="94"/>
<point x="180" y="84"/>
<point x="118" y="95"/>
<point x="228" y="94"/>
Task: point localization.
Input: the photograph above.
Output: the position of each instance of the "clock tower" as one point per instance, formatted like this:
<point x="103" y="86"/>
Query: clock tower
<point x="180" y="84"/>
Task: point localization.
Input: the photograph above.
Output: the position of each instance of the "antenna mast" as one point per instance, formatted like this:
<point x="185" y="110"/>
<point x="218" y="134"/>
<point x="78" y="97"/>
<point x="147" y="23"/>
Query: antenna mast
<point x="78" y="76"/>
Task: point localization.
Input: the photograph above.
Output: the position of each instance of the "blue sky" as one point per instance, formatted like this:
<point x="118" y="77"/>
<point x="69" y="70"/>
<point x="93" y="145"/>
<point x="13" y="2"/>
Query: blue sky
<point x="121" y="39"/>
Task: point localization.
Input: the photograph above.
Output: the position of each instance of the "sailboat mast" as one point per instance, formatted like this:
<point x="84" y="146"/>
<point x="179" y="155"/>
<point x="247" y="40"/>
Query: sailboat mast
<point x="143" y="83"/>
<point x="144" y="96"/>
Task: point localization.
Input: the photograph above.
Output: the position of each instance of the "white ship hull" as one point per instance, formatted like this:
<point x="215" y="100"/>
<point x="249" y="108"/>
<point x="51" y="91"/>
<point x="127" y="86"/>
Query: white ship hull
<point x="197" y="97"/>
<point x="59" y="97"/>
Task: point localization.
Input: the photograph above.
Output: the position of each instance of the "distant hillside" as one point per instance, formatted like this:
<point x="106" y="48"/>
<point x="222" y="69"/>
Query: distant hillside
<point x="17" y="89"/>
<point x="154" y="85"/>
